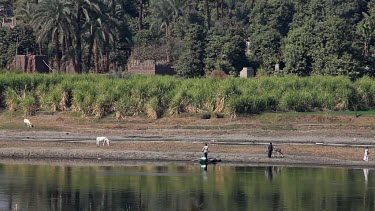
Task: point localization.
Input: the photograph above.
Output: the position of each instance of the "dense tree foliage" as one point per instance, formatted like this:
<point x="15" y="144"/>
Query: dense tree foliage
<point x="19" y="40"/>
<point x="303" y="37"/>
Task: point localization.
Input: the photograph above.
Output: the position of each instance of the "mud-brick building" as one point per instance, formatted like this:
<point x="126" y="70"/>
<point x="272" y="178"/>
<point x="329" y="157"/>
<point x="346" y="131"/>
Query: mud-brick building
<point x="9" y="22"/>
<point x="30" y="63"/>
<point x="247" y="72"/>
<point x="150" y="67"/>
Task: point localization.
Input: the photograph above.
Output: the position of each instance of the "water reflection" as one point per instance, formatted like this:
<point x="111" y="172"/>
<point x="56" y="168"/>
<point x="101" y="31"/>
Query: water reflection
<point x="272" y="171"/>
<point x="184" y="187"/>
<point x="205" y="167"/>
<point x="197" y="202"/>
<point x="365" y="172"/>
<point x="365" y="195"/>
<point x="269" y="172"/>
<point x="205" y="174"/>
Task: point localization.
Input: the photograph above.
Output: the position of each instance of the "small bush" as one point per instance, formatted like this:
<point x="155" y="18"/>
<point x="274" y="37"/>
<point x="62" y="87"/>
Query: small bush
<point x="206" y="116"/>
<point x="218" y="74"/>
<point x="219" y="115"/>
<point x="28" y="104"/>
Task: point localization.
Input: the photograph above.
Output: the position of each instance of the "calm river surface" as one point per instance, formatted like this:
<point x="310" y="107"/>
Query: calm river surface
<point x="185" y="186"/>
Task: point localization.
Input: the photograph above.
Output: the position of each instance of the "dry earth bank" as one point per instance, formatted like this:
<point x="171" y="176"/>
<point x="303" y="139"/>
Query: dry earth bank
<point x="305" y="139"/>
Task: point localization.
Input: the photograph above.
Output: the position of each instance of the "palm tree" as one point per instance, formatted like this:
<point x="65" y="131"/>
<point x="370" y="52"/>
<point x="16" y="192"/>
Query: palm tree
<point x="166" y="11"/>
<point x="231" y="5"/>
<point x="222" y="8"/>
<point x="25" y="13"/>
<point x="366" y="31"/>
<point x="140" y="15"/>
<point x="178" y="7"/>
<point x="162" y="14"/>
<point x="208" y="15"/>
<point x="104" y="38"/>
<point x="52" y="18"/>
<point x="217" y="9"/>
<point x="102" y="30"/>
<point x="82" y="10"/>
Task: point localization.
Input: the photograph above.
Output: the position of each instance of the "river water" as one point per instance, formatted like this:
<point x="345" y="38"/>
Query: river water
<point x="184" y="186"/>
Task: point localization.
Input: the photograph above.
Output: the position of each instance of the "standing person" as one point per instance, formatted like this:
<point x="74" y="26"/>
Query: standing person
<point x="205" y="151"/>
<point x="270" y="149"/>
<point x="365" y="156"/>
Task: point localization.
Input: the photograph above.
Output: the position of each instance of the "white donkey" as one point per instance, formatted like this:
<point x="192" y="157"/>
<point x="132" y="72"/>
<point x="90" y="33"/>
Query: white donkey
<point x="103" y="139"/>
<point x="27" y="123"/>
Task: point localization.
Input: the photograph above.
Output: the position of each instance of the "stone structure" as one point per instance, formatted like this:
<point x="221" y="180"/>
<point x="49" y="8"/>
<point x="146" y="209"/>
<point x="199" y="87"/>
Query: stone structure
<point x="277" y="67"/>
<point x="247" y="72"/>
<point x="8" y="22"/>
<point x="150" y="67"/>
<point x="30" y="63"/>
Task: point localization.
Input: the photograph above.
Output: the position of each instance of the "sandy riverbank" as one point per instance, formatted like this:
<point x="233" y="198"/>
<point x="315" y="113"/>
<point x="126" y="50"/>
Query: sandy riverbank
<point x="337" y="142"/>
<point x="53" y="146"/>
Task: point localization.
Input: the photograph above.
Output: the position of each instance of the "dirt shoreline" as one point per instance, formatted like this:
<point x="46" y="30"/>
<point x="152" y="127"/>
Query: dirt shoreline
<point x="82" y="149"/>
<point x="339" y="142"/>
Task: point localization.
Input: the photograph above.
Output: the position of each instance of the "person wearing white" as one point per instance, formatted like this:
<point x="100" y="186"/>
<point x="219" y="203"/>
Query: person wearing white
<point x="205" y="151"/>
<point x="365" y="156"/>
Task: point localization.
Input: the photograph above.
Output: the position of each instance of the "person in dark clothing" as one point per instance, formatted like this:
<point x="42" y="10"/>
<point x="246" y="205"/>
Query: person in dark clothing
<point x="270" y="149"/>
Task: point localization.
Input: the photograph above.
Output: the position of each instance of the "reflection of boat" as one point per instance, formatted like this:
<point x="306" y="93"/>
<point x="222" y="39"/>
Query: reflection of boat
<point x="203" y="160"/>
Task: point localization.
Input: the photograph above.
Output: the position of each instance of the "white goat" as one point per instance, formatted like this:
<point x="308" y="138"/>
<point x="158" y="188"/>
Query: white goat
<point x="27" y="123"/>
<point x="105" y="140"/>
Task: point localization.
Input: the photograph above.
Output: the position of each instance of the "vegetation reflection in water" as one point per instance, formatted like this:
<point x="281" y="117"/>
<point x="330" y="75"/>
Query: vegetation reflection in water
<point x="184" y="187"/>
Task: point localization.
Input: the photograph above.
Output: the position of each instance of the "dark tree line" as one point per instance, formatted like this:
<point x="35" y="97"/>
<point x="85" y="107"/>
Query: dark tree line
<point x="303" y="37"/>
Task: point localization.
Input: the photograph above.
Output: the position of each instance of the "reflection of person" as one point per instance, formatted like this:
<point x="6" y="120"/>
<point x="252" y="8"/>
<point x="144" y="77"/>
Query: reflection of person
<point x="365" y="172"/>
<point x="205" y="151"/>
<point x="365" y="156"/>
<point x="269" y="172"/>
<point x="205" y="167"/>
<point x="270" y="149"/>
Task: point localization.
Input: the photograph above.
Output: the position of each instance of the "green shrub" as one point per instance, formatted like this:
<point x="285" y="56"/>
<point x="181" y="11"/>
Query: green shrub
<point x="219" y="115"/>
<point x="28" y="104"/>
<point x="206" y="116"/>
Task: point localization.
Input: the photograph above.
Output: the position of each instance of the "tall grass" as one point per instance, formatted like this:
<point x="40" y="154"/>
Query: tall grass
<point x="365" y="89"/>
<point x="157" y="96"/>
<point x="12" y="99"/>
